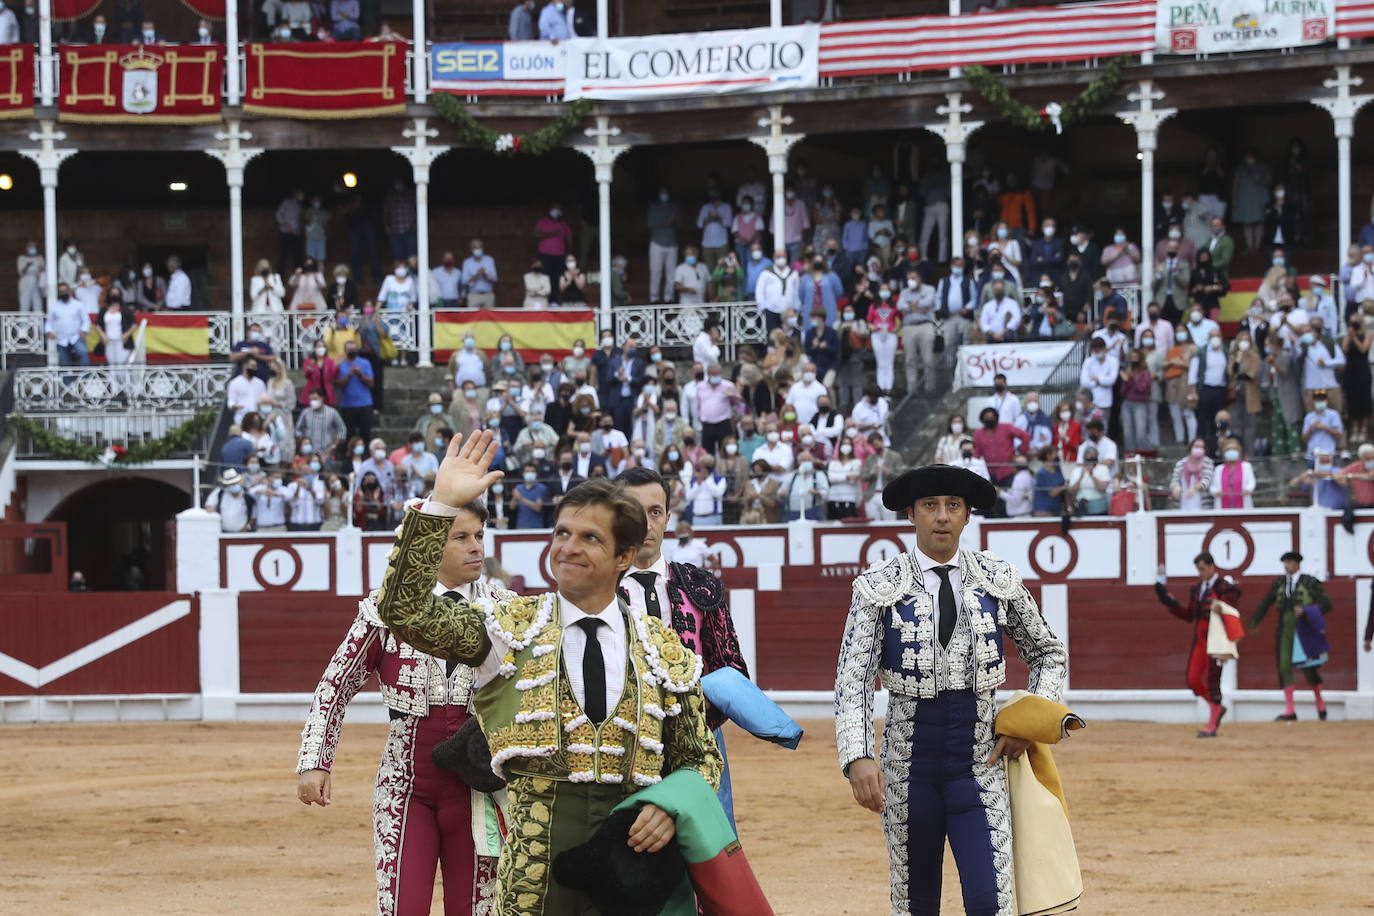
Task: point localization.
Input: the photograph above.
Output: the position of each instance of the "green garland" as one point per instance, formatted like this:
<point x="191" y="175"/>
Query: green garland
<point x="177" y="440"/>
<point x="1094" y="95"/>
<point x="546" y="138"/>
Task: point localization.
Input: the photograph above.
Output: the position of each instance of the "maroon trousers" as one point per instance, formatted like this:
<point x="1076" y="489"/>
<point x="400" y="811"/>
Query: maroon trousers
<point x="421" y="819"/>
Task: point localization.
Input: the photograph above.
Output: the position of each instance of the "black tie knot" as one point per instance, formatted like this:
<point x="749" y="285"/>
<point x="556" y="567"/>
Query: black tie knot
<point x="589" y="626"/>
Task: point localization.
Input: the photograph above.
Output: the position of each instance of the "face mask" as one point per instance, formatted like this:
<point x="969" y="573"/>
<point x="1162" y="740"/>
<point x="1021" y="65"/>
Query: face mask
<point x="656" y="357"/>
<point x="252" y="468"/>
<point x="99" y="29"/>
<point x="505" y="346"/>
<point x="571" y="265"/>
<point x="1309" y="338"/>
<point x="1119" y="238"/>
<point x="1001" y="233"/>
<point x="147" y="271"/>
<point x="780" y="262"/>
<point x="639" y="453"/>
<point x="1243" y="345"/>
<point x="967" y="455"/>
<point x="663" y="196"/>
<point x="1318" y="406"/>
<point x="1195" y="316"/>
<point x="808" y="377"/>
<point x="236" y="489"/>
<point x="1279" y="262"/>
<point x="379" y="454"/>
<point x="989" y="422"/>
<point x="998" y="274"/>
<point x="1214" y="343"/>
<point x="530" y="477"/>
<point x="674" y="455"/>
<point x="1049" y="232"/>
<point x="1066" y="415"/>
<point x="358" y="450"/>
<point x="585" y="411"/>
<point x="401" y="273"/>
<point x="772" y="438"/>
<point x="1232" y="454"/>
<point x="417" y="447"/>
<point x="745" y="208"/>
<point x="539" y="454"/>
<point x="515" y="391"/>
<point x="555" y="213"/>
<point x="1096" y="437"/>
<point x="808" y="440"/>
<point x="956" y="427"/>
<point x="1369" y="465"/>
<point x="690" y="260"/>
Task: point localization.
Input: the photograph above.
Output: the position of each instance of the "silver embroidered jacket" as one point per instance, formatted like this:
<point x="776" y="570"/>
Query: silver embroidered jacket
<point x="410" y="682"/>
<point x="890" y="635"/>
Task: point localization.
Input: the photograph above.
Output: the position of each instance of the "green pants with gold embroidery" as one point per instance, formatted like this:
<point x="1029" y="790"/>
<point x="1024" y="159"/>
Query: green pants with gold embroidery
<point x="1284" y="635"/>
<point x="547" y="817"/>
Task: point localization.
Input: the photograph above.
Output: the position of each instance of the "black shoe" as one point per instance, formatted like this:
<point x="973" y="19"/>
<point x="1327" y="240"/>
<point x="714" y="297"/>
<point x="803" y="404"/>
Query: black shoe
<point x="1290" y="717"/>
<point x="1321" y="714"/>
<point x="1211" y="734"/>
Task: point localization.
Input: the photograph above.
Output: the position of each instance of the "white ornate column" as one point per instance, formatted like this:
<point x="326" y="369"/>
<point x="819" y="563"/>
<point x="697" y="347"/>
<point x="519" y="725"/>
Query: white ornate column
<point x="421" y="156"/>
<point x="955" y="132"/>
<point x="235" y="158"/>
<point x="776" y="144"/>
<point x="603" y="156"/>
<point x="233" y="90"/>
<point x="1343" y="109"/>
<point x="48" y="158"/>
<point x="1147" y="120"/>
<point x="419" y="54"/>
<point x="47" y="63"/>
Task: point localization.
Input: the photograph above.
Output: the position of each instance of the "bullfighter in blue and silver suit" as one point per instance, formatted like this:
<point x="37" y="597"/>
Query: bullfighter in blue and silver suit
<point x="929" y="624"/>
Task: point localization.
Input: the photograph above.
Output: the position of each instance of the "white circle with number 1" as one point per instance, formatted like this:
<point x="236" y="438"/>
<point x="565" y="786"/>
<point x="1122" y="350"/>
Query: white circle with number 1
<point x="882" y="550"/>
<point x="1230" y="549"/>
<point x="276" y="567"/>
<point x="1053" y="554"/>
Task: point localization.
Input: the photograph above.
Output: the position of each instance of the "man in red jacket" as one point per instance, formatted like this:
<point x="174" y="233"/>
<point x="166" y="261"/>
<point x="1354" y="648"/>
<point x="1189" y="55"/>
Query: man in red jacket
<point x="1204" y="672"/>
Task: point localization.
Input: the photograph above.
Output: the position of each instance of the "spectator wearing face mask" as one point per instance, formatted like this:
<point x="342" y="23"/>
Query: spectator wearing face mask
<point x="1233" y="482"/>
<point x="1207" y="375"/>
<point x="245" y="389"/>
<point x="67" y="325"/>
<point x="1089" y="485"/>
<point x="968" y="458"/>
<point x="691" y="278"/>
<point x="1136" y="383"/>
<point x="309" y="287"/>
<point x="1068" y="432"/>
<point x="1005" y="402"/>
<point x="1322" y="428"/>
<point x="553" y="26"/>
<point x="398" y="293"/>
<point x="1172" y="276"/>
<point x="884" y="320"/>
<point x="704" y="494"/>
<point x="843" y="473"/>
<point x="554" y="236"/>
<point x="1018" y="494"/>
<point x="1121" y="259"/>
<point x="320" y="423"/>
<point x="997" y="442"/>
<point x="269" y="514"/>
<point x="353" y="383"/>
<point x="266" y="292"/>
<point x="1320" y="357"/>
<point x="1098" y="440"/>
<point x="881" y="466"/>
<point x="717" y="402"/>
<point x="231" y="503"/>
<point x="572" y="285"/>
<point x="1000" y="318"/>
<point x="714" y="219"/>
<point x="819" y="291"/>
<point x="1048" y="253"/>
<point x="1243" y="370"/>
<point x="777" y="291"/>
<point x="1048" y="499"/>
<point x="1190" y="482"/>
<point x="1187" y="251"/>
<point x="1077" y="287"/>
<point x="1035" y="422"/>
<point x="1318" y="302"/>
<point x="1099" y="374"/>
<point x="746" y="230"/>
<point x="796" y="220"/>
<point x="254" y="347"/>
<point x="806" y="394"/>
<point x="777" y="454"/>
<point x="804" y="492"/>
<point x="947" y="448"/>
<point x="1160" y="330"/>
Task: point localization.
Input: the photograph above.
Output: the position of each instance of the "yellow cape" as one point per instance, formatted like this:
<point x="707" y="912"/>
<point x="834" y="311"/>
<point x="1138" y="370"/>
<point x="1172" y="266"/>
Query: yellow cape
<point x="1044" y="860"/>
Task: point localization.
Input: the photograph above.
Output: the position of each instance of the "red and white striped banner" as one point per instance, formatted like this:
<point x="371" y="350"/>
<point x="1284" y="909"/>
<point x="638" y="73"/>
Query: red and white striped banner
<point x="1355" y="19"/>
<point x="1019" y="36"/>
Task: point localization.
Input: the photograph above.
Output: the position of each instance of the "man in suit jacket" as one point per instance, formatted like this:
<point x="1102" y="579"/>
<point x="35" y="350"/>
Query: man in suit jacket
<point x="626" y="369"/>
<point x="563" y="479"/>
<point x="1280" y="223"/>
<point x="1171" y="282"/>
<point x="1222" y="247"/>
<point x="1292" y="592"/>
<point x="1047" y="256"/>
<point x="586" y="460"/>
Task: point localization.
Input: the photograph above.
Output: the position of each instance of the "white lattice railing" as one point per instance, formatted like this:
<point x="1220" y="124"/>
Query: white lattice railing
<point x="118" y="388"/>
<point x="679" y="325"/>
<point x="21" y="333"/>
<point x="101" y="427"/>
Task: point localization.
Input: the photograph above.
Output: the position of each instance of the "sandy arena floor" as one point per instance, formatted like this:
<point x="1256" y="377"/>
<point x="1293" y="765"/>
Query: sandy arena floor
<point x="192" y="818"/>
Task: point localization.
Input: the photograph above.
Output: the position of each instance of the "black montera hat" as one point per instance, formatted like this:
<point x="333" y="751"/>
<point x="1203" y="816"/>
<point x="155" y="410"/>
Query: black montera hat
<point x="939" y="480"/>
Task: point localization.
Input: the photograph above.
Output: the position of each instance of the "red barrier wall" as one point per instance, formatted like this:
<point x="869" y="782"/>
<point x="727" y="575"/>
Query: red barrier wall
<point x="39" y="629"/>
<point x="286" y="641"/>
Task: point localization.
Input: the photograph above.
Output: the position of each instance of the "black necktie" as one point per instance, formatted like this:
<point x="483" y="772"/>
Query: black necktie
<point x="593" y="673"/>
<point x="947" y="609"/>
<point x="648" y="581"/>
<point x="451" y="665"/>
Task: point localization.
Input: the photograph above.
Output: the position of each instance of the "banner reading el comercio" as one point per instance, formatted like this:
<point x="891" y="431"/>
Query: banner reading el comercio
<point x="1209" y="26"/>
<point x="654" y="66"/>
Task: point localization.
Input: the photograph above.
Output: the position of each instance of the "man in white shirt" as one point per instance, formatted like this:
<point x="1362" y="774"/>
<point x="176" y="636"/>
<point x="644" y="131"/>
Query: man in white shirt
<point x="305" y="495"/>
<point x="178" y="285"/>
<point x="231" y="503"/>
<point x="871" y="414"/>
<point x="806" y="394"/>
<point x="1115" y="339"/>
<point x="775" y="453"/>
<point x="1019" y="496"/>
<point x="245" y="389"/>
<point x="1361" y="285"/>
<point x="689" y="397"/>
<point x="690" y="278"/>
<point x="1099" y="374"/>
<point x="67" y="325"/>
<point x="1000" y="317"/>
<point x="9" y="26"/>
<point x="1096" y="438"/>
<point x="1007" y="404"/>
<point x="689" y="550"/>
<point x="714" y="220"/>
<point x="1200" y="327"/>
<point x="479" y="276"/>
<point x="449" y="279"/>
<point x="706" y="492"/>
<point x="472" y="366"/>
<point x="87" y="291"/>
<point x="1321" y="357"/>
<point x="1319" y="303"/>
<point x="777" y="290"/>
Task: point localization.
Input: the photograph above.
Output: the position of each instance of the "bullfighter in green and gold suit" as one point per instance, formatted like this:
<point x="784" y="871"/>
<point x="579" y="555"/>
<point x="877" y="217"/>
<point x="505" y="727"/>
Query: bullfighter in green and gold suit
<point x="583" y="700"/>
<point x="1292" y="592"/>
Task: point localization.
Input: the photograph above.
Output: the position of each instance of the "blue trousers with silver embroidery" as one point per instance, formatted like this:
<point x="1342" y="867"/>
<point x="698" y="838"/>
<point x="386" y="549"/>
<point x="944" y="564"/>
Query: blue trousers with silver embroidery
<point x="939" y="786"/>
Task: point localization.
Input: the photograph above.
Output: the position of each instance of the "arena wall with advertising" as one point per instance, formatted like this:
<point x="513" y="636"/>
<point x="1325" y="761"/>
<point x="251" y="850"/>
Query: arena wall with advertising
<point x="253" y="619"/>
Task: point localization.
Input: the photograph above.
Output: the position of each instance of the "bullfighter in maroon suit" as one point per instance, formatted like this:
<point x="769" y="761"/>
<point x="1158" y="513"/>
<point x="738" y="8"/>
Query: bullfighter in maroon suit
<point x="688" y="598"/>
<point x="1204" y="672"/>
<point x="422" y="815"/>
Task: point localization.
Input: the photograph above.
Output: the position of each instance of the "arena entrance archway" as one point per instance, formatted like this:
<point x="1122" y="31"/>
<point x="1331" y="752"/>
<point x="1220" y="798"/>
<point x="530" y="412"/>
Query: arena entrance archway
<point x="118" y="532"/>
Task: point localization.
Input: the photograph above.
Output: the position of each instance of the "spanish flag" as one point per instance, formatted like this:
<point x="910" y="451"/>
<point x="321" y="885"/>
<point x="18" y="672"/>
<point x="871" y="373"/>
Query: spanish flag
<point x="168" y="338"/>
<point x="1236" y="303"/>
<point x="533" y="332"/>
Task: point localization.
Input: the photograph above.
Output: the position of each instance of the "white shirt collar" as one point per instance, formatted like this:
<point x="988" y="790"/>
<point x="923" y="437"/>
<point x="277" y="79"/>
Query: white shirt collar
<point x="569" y="614"/>
<point x="658" y="567"/>
<point x="1212" y="581"/>
<point x="925" y="564"/>
<point x="464" y="590"/>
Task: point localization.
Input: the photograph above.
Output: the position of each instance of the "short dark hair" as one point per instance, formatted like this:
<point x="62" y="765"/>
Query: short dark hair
<point x="1096" y="423"/>
<point x="1204" y="557"/>
<point x="644" y="477"/>
<point x="629" y="524"/>
<point x="415" y="437"/>
<point x="319" y="391"/>
<point x="1000" y="375"/>
<point x="478" y="508"/>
